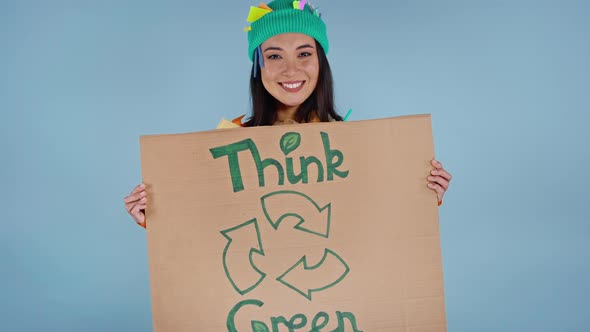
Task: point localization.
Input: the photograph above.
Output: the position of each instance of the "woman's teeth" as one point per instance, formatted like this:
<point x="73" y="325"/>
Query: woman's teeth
<point x="292" y="86"/>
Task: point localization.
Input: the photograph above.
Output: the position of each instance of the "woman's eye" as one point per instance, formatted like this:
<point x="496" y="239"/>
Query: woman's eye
<point x="304" y="54"/>
<point x="274" y="57"/>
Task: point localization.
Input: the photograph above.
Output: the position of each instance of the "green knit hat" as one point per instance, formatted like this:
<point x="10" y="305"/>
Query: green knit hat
<point x="285" y="17"/>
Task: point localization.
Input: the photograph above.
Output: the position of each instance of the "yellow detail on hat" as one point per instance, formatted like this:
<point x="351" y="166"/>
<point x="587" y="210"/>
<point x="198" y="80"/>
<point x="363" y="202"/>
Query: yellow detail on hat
<point x="256" y="13"/>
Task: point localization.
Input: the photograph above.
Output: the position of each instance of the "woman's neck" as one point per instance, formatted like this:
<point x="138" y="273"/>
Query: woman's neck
<point x="286" y="113"/>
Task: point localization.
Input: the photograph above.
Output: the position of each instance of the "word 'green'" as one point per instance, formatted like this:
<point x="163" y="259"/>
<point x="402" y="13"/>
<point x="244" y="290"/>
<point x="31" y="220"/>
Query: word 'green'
<point x="298" y="321"/>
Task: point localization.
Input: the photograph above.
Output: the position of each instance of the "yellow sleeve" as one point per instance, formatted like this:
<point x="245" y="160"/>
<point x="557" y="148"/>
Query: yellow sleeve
<point x="235" y="123"/>
<point x="226" y="124"/>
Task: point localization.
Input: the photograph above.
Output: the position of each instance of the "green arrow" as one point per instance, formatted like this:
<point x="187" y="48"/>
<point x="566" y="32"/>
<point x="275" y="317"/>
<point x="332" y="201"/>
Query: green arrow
<point x="239" y="239"/>
<point x="278" y="205"/>
<point x="334" y="271"/>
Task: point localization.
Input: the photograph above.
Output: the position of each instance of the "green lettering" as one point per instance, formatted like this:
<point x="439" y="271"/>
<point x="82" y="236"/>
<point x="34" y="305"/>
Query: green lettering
<point x="231" y="324"/>
<point x="331" y="165"/>
<point x="311" y="160"/>
<point x="348" y="315"/>
<point x="300" y="324"/>
<point x="315" y="327"/>
<point x="293" y="178"/>
<point x="298" y="321"/>
<point x="303" y="175"/>
<point x="261" y="165"/>
<point x="279" y="320"/>
<point x="232" y="150"/>
<point x="290" y="142"/>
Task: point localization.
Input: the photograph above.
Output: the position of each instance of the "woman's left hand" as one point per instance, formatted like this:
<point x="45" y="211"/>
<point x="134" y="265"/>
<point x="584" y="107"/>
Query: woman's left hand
<point x="439" y="180"/>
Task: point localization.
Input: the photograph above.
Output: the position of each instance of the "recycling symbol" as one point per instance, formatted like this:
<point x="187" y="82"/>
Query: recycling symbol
<point x="316" y="222"/>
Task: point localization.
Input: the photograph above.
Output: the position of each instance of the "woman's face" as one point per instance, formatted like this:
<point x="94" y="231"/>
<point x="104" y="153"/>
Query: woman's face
<point x="291" y="68"/>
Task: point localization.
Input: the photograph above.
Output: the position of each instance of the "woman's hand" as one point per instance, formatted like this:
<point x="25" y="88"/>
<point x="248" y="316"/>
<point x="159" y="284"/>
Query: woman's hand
<point x="439" y="180"/>
<point x="136" y="203"/>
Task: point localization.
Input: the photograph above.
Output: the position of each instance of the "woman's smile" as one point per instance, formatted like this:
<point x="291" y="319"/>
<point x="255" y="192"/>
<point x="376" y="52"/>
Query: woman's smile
<point x="292" y="86"/>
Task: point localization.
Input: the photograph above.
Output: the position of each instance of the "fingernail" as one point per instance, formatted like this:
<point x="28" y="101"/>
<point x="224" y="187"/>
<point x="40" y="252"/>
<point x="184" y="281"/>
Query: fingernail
<point x="142" y="185"/>
<point x="142" y="193"/>
<point x="430" y="178"/>
<point x="433" y="172"/>
<point x="430" y="185"/>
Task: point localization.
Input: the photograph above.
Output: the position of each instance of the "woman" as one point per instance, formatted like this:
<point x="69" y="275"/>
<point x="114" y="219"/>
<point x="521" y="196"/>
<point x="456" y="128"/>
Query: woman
<point x="291" y="80"/>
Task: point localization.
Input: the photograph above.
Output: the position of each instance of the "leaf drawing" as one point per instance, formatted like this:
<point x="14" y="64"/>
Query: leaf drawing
<point x="258" y="326"/>
<point x="289" y="142"/>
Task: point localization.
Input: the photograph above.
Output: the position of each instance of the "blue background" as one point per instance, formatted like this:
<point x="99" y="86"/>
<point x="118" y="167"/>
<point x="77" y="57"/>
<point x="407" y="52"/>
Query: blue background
<point x="507" y="84"/>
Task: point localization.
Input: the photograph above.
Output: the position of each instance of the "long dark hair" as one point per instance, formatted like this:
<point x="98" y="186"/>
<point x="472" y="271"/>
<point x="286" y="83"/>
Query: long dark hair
<point x="321" y="101"/>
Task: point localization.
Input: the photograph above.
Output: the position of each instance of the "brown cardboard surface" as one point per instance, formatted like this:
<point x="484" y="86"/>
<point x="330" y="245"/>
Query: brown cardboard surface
<point x="357" y="251"/>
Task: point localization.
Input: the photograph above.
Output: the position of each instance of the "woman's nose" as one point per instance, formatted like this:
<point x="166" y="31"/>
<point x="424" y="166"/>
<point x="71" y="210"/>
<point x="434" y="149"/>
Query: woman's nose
<point x="290" y="67"/>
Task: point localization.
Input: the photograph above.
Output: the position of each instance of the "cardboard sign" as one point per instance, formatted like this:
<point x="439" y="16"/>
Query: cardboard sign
<point x="313" y="227"/>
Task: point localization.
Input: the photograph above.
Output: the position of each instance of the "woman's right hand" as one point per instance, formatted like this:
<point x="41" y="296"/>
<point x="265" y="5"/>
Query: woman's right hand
<point x="135" y="204"/>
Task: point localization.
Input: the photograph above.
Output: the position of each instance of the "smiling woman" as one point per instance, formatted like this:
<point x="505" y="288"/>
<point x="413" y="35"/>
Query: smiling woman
<point x="290" y="74"/>
<point x="291" y="79"/>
